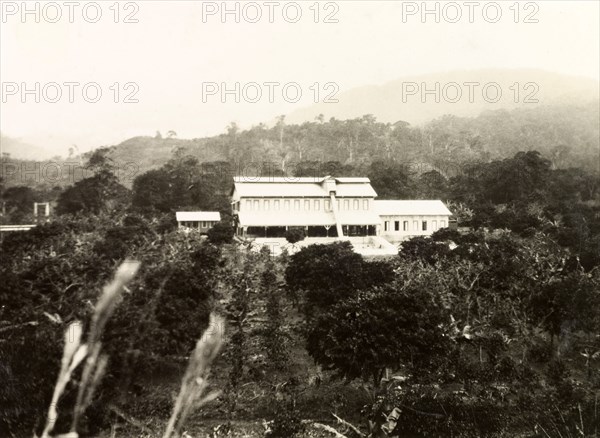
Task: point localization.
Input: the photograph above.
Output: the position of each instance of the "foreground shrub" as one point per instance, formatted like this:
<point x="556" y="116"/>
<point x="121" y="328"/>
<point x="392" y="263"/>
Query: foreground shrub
<point x="286" y="424"/>
<point x="386" y="327"/>
<point x="220" y="234"/>
<point x="52" y="276"/>
<point x="295" y="235"/>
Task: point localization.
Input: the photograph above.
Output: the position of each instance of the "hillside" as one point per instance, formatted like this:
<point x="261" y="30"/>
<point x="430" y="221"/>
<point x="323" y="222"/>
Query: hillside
<point x="19" y="149"/>
<point x="567" y="134"/>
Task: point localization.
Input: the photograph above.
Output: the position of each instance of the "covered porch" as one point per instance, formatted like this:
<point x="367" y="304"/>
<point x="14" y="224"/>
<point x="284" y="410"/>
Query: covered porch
<point x="314" y="224"/>
<point x="280" y="231"/>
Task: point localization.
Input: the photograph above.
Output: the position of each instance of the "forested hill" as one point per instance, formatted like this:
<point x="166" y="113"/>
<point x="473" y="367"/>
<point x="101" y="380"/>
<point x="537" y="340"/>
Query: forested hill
<point x="568" y="135"/>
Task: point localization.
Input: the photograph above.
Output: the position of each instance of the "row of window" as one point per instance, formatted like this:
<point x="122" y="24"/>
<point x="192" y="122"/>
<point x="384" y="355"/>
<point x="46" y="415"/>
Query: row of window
<point x="194" y="224"/>
<point x="304" y="204"/>
<point x="415" y="225"/>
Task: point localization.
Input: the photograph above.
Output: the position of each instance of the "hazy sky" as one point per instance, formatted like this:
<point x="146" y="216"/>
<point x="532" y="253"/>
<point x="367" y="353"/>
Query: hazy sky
<point x="176" y="47"/>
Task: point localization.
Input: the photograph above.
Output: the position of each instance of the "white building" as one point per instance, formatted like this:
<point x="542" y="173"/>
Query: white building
<point x="401" y="220"/>
<point x="197" y="220"/>
<point x="328" y="207"/>
<point x="324" y="207"/>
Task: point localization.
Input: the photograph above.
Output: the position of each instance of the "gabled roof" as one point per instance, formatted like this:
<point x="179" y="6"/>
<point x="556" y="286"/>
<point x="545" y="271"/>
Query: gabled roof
<point x="361" y="190"/>
<point x="279" y="190"/>
<point x="277" y="179"/>
<point x="308" y="187"/>
<point x="193" y="216"/>
<point x="411" y="208"/>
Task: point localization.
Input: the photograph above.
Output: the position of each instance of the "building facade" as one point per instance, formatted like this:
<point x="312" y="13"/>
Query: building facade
<point x="266" y="207"/>
<point x="323" y="207"/>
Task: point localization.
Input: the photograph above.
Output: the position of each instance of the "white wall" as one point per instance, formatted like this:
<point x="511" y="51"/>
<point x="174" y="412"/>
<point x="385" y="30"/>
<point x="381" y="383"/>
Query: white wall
<point x="434" y="223"/>
<point x="304" y="204"/>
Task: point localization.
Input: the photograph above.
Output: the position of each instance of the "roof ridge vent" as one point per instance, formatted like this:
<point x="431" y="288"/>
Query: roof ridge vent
<point x="329" y="184"/>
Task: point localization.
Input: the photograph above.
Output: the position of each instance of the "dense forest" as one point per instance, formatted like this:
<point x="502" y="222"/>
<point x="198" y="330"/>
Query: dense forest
<point x="489" y="330"/>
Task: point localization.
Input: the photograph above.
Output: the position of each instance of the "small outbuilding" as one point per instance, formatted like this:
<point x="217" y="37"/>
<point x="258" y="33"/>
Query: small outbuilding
<point x="201" y="221"/>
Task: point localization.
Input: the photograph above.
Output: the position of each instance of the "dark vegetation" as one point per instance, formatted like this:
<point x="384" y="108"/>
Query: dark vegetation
<point x="491" y="330"/>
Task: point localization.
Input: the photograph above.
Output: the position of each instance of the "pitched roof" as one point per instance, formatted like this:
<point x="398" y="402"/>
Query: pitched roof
<point x="279" y="190"/>
<point x="192" y="216"/>
<point x="297" y="179"/>
<point x="411" y="208"/>
<point x="308" y="187"/>
<point x="277" y="179"/>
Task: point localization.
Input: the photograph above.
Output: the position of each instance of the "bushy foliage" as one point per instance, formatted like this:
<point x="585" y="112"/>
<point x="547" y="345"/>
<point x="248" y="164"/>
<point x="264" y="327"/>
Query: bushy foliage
<point x="466" y="322"/>
<point x="391" y="326"/>
<point x="96" y="194"/>
<point x="53" y="273"/>
<point x="100" y="193"/>
<point x="221" y="233"/>
<point x="275" y="336"/>
<point x="183" y="183"/>
<point x="18" y="203"/>
<point x="286" y="424"/>
<point x="295" y="235"/>
<point x="330" y="273"/>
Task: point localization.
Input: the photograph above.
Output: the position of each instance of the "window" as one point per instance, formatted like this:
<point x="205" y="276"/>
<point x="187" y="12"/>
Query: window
<point x="416" y="225"/>
<point x="397" y="226"/>
<point x="307" y="204"/>
<point x="356" y="204"/>
<point x="442" y="224"/>
<point x="434" y="225"/>
<point x="267" y="205"/>
<point x="286" y="205"/>
<point x="405" y="226"/>
<point x="365" y="204"/>
<point x="297" y="204"/>
<point x="424" y="225"/>
<point x="256" y="204"/>
<point x="317" y="204"/>
<point x="248" y="204"/>
<point x="346" y="204"/>
<point x="386" y="225"/>
<point x="204" y="224"/>
<point x="327" y="205"/>
<point x="276" y="204"/>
